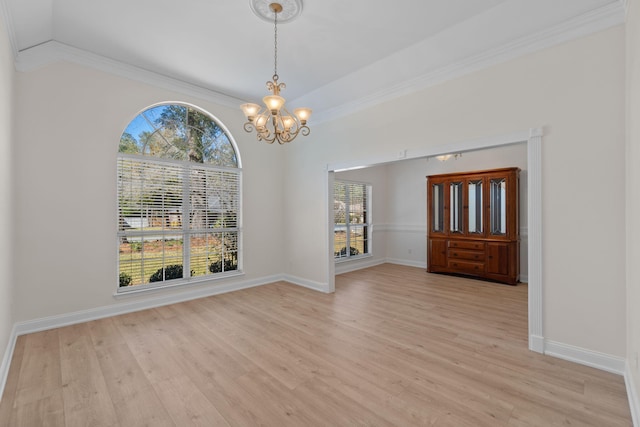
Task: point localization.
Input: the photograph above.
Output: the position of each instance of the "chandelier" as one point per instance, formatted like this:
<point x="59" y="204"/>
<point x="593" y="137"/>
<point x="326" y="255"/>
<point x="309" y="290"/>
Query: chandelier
<point x="274" y="122"/>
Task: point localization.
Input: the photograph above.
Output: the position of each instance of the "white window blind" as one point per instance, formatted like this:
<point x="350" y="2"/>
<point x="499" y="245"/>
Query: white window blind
<point x="176" y="219"/>
<point x="351" y="219"/>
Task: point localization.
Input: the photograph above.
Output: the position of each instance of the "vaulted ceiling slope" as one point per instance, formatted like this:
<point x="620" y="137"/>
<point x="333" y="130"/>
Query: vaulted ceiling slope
<point x="337" y="57"/>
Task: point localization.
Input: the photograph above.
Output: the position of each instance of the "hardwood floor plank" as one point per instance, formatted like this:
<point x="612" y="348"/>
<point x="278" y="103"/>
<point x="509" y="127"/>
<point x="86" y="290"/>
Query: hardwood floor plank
<point x="132" y="394"/>
<point x="7" y="403"/>
<point x="338" y="409"/>
<point x="238" y="406"/>
<point x="186" y="404"/>
<point x="265" y="350"/>
<point x="140" y="335"/>
<point x="198" y="351"/>
<point x="48" y="412"/>
<point x="87" y="401"/>
<point x="529" y="390"/>
<point x="39" y="375"/>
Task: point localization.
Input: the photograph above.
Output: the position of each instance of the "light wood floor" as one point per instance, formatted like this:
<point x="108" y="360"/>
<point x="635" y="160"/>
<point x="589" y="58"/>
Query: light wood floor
<point x="394" y="346"/>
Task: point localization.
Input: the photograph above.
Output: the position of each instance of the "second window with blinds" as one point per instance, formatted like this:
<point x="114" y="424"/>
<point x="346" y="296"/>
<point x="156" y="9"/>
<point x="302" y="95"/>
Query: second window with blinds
<point x="351" y="213"/>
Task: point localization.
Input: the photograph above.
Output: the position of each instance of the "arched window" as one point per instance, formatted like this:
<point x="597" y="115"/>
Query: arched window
<point x="178" y="198"/>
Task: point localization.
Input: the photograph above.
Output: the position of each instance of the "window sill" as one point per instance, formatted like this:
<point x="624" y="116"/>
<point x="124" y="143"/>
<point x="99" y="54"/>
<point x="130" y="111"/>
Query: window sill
<point x="140" y="289"/>
<point x="352" y="258"/>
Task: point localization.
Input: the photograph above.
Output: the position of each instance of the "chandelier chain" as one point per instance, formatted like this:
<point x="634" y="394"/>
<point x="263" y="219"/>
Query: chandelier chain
<point x="275" y="47"/>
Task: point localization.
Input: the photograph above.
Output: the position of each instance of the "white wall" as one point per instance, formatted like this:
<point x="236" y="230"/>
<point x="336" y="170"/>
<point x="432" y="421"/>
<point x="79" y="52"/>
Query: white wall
<point x="6" y="217"/>
<point x="633" y="199"/>
<point x="68" y="123"/>
<point x="576" y="91"/>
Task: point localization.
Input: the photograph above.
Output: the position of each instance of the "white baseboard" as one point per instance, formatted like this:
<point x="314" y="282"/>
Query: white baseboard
<point x="6" y="360"/>
<point x="632" y="395"/>
<point x="407" y="262"/>
<point x="536" y="343"/>
<point x="347" y="267"/>
<point x="602" y="361"/>
<point x="358" y="264"/>
<point x="594" y="359"/>
<point x="316" y="286"/>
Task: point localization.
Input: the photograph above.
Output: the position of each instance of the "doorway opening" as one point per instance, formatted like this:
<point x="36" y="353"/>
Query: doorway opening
<point x="532" y="140"/>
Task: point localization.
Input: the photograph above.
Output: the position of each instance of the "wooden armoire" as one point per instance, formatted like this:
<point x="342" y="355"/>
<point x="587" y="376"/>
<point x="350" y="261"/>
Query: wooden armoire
<point x="472" y="224"/>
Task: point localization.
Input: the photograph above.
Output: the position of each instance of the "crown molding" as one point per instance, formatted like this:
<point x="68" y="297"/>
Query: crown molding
<point x="52" y="51"/>
<point x="599" y="19"/>
<point x="588" y="23"/>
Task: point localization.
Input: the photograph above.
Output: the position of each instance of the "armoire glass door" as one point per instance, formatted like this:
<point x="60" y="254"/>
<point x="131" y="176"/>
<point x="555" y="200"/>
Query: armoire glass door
<point x="475" y="209"/>
<point x="437" y="206"/>
<point x="456" y="207"/>
<point x="498" y="206"/>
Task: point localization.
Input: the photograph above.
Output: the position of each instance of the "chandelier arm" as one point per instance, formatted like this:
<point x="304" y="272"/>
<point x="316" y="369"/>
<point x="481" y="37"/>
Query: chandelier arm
<point x="290" y="135"/>
<point x="249" y="127"/>
<point x="268" y="140"/>
<point x="264" y="134"/>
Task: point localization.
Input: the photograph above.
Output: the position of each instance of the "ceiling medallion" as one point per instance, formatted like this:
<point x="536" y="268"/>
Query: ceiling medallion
<point x="291" y="9"/>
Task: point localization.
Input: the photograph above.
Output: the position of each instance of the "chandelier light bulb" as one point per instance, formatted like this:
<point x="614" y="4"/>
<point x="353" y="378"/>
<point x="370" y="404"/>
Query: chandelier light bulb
<point x="261" y="121"/>
<point x="250" y="110"/>
<point x="302" y="114"/>
<point x="287" y="122"/>
<point x="274" y="103"/>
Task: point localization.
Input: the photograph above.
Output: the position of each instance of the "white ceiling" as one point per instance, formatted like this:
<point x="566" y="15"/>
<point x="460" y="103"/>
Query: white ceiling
<point x="337" y="53"/>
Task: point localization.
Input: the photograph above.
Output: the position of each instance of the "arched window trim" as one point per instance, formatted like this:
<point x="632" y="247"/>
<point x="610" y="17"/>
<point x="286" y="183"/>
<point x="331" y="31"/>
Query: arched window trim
<point x="186" y="231"/>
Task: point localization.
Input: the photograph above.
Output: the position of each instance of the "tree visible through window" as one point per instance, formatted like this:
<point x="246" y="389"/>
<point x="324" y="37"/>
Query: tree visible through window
<point x="351" y="207"/>
<point x="178" y="197"/>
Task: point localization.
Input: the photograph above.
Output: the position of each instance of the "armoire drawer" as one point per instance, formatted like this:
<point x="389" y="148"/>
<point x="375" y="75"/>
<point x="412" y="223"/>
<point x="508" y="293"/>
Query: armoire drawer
<point x="466" y="266"/>
<point x="477" y="256"/>
<point x="460" y="244"/>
